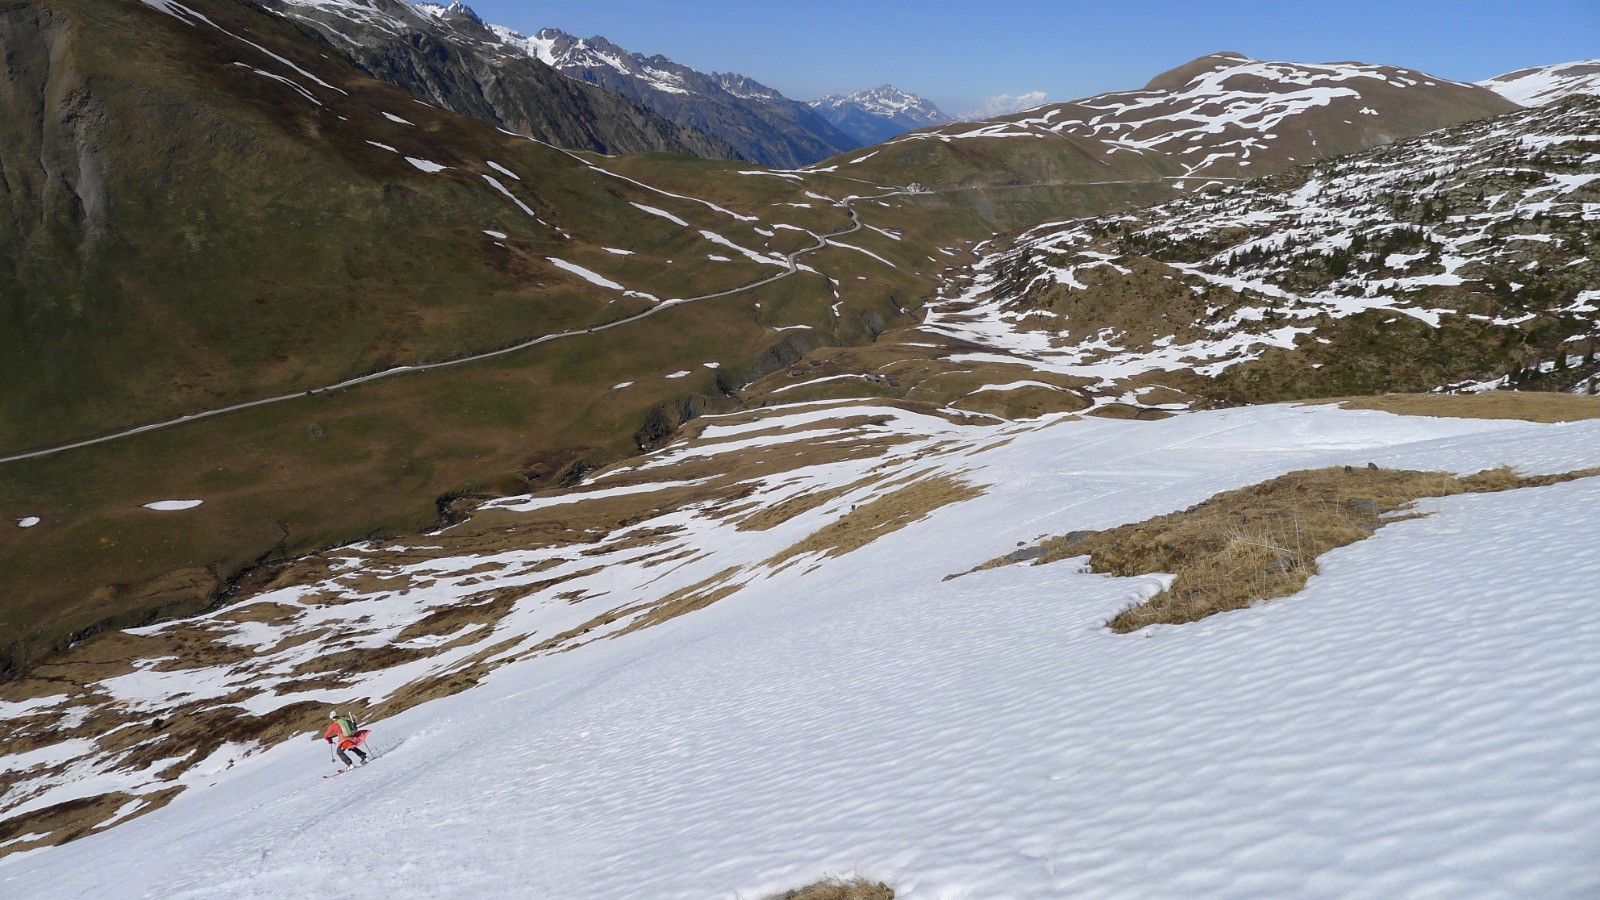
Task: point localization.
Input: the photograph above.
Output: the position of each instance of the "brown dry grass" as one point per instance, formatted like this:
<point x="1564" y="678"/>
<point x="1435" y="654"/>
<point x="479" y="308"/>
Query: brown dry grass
<point x="72" y="819"/>
<point x="856" y="888"/>
<point x="1529" y="406"/>
<point x="1261" y="542"/>
<point x="1129" y="413"/>
<point x="765" y="517"/>
<point x="687" y="600"/>
<point x="1027" y="402"/>
<point x="876" y="518"/>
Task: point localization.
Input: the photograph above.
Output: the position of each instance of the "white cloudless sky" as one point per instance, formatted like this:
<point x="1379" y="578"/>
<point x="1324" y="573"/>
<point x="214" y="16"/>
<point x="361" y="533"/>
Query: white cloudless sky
<point x="960" y="54"/>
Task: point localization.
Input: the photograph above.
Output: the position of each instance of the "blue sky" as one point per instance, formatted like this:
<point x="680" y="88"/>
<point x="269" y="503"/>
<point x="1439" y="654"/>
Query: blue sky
<point x="960" y="53"/>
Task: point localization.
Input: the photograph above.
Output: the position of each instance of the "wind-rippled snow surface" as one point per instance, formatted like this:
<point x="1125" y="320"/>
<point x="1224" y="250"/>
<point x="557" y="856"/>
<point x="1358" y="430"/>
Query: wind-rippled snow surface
<point x="1423" y="720"/>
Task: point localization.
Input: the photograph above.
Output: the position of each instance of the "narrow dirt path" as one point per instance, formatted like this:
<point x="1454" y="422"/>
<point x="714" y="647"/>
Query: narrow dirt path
<point x="793" y="268"/>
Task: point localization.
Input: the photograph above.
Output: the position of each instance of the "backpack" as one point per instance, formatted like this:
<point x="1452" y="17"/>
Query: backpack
<point x="348" y="726"/>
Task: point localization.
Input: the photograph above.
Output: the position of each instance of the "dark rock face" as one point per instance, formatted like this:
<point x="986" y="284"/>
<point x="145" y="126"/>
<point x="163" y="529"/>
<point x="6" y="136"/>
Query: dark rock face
<point x="455" y="61"/>
<point x="761" y="124"/>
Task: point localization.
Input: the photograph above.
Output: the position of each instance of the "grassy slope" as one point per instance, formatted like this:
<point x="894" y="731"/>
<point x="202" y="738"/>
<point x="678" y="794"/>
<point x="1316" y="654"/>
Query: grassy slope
<point x="304" y="255"/>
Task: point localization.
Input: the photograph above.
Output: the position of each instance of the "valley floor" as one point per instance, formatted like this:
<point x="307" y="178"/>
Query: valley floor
<point x="1422" y="720"/>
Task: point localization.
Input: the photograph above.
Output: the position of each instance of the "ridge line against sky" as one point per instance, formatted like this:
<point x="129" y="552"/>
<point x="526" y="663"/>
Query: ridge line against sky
<point x="962" y="54"/>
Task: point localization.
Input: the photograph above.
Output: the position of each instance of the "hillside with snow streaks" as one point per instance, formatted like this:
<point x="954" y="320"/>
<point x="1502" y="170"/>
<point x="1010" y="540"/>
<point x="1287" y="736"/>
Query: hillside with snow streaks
<point x="1219" y="115"/>
<point x="1547" y="84"/>
<point x="1418" y="721"/>
<point x="1480" y="237"/>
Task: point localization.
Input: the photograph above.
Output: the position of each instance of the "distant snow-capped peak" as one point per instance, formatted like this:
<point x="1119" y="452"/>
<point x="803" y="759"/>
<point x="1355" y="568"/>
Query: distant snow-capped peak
<point x="886" y="101"/>
<point x="454" y="9"/>
<point x="1540" y="85"/>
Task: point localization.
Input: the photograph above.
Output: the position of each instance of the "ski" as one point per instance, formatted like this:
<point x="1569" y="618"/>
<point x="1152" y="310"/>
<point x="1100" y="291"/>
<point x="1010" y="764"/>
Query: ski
<point x="339" y="772"/>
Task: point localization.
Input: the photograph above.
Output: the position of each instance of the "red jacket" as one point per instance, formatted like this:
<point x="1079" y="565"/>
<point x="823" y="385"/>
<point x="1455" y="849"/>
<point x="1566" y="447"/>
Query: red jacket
<point x="345" y="741"/>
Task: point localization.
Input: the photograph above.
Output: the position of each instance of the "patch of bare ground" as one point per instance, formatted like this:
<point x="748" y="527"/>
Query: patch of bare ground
<point x="1130" y="413"/>
<point x="458" y="678"/>
<point x="62" y="822"/>
<point x="790" y="430"/>
<point x="342" y="664"/>
<point x="962" y="386"/>
<point x="179" y="738"/>
<point x="1158" y="393"/>
<point x="1026" y="402"/>
<point x="766" y="517"/>
<point x="686" y="600"/>
<point x="884" y="515"/>
<point x="1261" y="542"/>
<point x="486" y="608"/>
<point x="857" y="888"/>
<point x="1529" y="406"/>
<point x="761" y="462"/>
<point x="258" y="612"/>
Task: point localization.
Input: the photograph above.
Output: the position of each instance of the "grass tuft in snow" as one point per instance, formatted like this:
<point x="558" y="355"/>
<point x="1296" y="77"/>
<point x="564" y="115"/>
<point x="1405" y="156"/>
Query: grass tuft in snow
<point x="1261" y="542"/>
<point x="857" y="888"/>
<point x="884" y="515"/>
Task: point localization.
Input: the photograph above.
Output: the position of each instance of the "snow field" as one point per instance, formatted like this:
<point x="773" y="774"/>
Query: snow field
<point x="1420" y="721"/>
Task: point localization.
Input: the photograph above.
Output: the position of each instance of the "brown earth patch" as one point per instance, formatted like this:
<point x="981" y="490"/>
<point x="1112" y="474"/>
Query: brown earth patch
<point x="486" y="608"/>
<point x="659" y="560"/>
<point x="844" y="423"/>
<point x="342" y="663"/>
<point x="443" y="684"/>
<point x="857" y="888"/>
<point x="259" y="612"/>
<point x="1529" y="406"/>
<point x="884" y="515"/>
<point x="1260" y="542"/>
<point x="1028" y="402"/>
<point x="364" y="583"/>
<point x="183" y="735"/>
<point x="1129" y="413"/>
<point x="772" y="516"/>
<point x="687" y="600"/>
<point x="71" y="819"/>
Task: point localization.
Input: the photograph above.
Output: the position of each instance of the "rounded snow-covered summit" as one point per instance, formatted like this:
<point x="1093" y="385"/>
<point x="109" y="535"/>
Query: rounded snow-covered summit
<point x="1547" y="84"/>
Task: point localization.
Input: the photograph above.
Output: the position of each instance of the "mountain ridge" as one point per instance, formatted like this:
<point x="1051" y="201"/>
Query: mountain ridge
<point x="874" y="115"/>
<point x="1539" y="85"/>
<point x="761" y="124"/>
<point x="445" y="60"/>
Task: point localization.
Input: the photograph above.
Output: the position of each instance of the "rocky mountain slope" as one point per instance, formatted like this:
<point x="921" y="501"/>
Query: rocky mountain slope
<point x="877" y="114"/>
<point x="762" y="125"/>
<point x="1547" y="84"/>
<point x="449" y="57"/>
<point x="204" y="208"/>
<point x="1462" y="257"/>
<point x="1217" y="118"/>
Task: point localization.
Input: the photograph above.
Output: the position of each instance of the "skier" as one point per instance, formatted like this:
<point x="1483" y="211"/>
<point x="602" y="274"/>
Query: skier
<point x="350" y="736"/>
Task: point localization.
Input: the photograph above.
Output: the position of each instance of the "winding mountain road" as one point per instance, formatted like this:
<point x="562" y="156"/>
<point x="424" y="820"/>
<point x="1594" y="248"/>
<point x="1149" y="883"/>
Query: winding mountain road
<point x="790" y="261"/>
